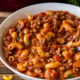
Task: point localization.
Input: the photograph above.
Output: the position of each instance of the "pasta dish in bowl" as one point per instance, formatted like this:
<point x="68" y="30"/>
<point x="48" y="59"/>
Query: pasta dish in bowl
<point x="43" y="45"/>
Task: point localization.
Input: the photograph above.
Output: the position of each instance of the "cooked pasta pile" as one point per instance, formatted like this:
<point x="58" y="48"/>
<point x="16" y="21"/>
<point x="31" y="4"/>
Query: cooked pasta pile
<point x="44" y="45"/>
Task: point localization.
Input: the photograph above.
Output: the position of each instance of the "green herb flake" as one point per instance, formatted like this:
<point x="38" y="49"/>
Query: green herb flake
<point x="71" y="76"/>
<point x="18" y="37"/>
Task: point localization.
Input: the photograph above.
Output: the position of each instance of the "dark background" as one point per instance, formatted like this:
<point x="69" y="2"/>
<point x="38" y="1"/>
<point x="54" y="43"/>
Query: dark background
<point x="12" y="5"/>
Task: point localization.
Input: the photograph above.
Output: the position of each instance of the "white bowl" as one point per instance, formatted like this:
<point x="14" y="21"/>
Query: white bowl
<point x="22" y="13"/>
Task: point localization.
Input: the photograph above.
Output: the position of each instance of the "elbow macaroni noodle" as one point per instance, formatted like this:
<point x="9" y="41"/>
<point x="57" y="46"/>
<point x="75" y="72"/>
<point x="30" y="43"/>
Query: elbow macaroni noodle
<point x="15" y="45"/>
<point x="41" y="53"/>
<point x="26" y="39"/>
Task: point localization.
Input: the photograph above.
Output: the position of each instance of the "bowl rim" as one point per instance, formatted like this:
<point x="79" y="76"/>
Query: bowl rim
<point x="6" y="64"/>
